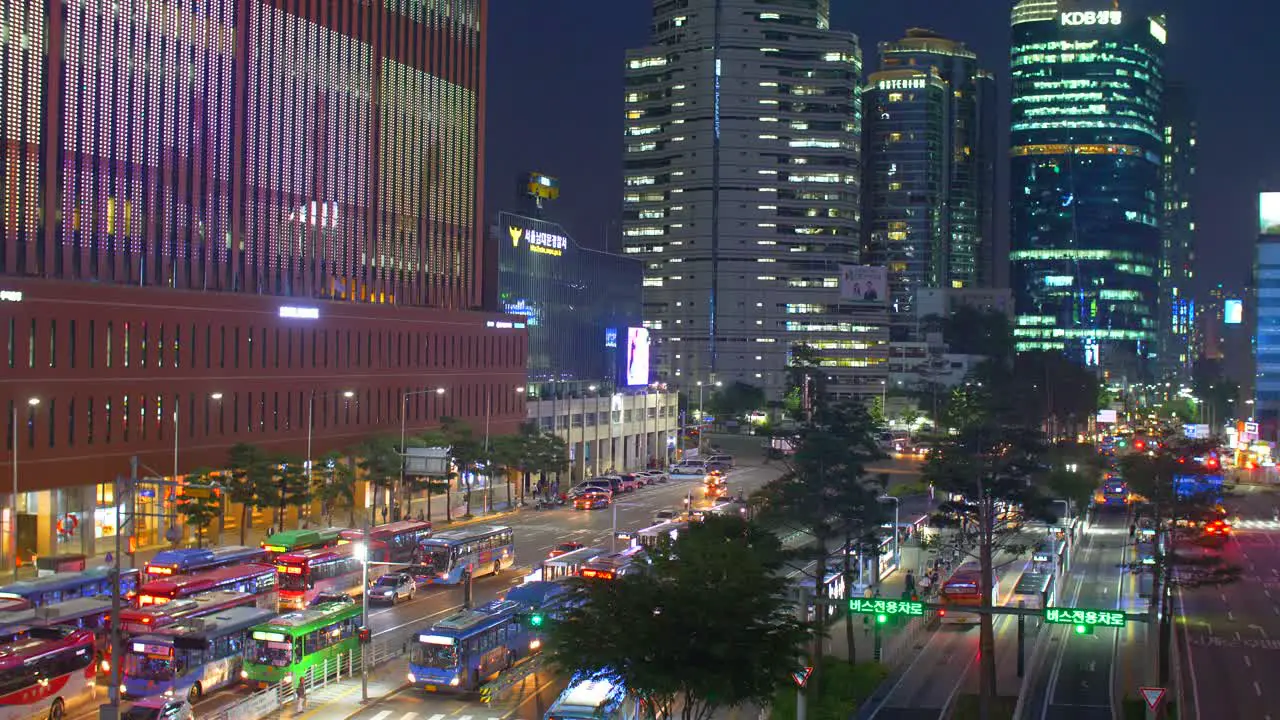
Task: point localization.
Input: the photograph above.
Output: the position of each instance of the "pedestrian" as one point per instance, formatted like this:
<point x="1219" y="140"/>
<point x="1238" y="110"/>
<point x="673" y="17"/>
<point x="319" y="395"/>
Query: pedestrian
<point x="925" y="583"/>
<point x="421" y="515"/>
<point x="910" y="582"/>
<point x="301" y="696"/>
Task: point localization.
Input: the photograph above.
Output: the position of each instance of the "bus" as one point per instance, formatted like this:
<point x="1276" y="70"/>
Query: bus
<point x="474" y="550"/>
<point x="962" y="590"/>
<point x="304" y="574"/>
<point x="1035" y="590"/>
<point x="595" y="698"/>
<point x="567" y="565"/>
<point x="64" y="586"/>
<point x="189" y="561"/>
<point x="651" y="536"/>
<point x="192" y="657"/>
<point x="465" y="649"/>
<point x="396" y="542"/>
<point x="283" y="650"/>
<point x="289" y="541"/>
<point x="135" y="621"/>
<point x="48" y="673"/>
<point x="252" y="578"/>
<point x="608" y="567"/>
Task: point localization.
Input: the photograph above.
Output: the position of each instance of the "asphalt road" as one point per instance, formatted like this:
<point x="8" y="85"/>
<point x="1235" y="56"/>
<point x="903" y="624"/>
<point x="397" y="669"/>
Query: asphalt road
<point x="927" y="687"/>
<point x="1077" y="675"/>
<point x="1230" y="634"/>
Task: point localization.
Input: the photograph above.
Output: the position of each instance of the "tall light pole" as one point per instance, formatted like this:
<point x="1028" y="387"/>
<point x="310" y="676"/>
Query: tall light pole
<point x="404" y="414"/>
<point x="13" y="460"/>
<point x="702" y="414"/>
<point x="595" y="450"/>
<point x="897" y="550"/>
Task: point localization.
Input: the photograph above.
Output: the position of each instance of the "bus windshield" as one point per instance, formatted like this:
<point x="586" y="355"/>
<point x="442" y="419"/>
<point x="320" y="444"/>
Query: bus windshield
<point x="152" y="668"/>
<point x="435" y="656"/>
<point x="437" y="557"/>
<point x="277" y="654"/>
<point x="292" y="581"/>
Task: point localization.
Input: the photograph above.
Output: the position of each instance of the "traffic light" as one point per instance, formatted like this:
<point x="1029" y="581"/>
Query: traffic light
<point x="535" y="620"/>
<point x="881" y="619"/>
<point x="1083" y="629"/>
<point x="364" y="635"/>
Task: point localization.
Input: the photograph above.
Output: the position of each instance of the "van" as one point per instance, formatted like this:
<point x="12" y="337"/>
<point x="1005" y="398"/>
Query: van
<point x="595" y="699"/>
<point x="724" y="460"/>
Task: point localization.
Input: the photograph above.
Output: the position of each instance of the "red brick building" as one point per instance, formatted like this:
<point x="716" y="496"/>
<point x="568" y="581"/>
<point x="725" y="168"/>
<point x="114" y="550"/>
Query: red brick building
<point x="237" y="221"/>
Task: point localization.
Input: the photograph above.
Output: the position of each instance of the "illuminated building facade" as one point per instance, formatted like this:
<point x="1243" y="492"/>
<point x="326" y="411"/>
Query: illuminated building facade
<point x="1180" y="343"/>
<point x="1266" y="380"/>
<point x="928" y="137"/>
<point x="235" y="221"/>
<point x="741" y="197"/>
<point x="1086" y="151"/>
<point x="576" y="303"/>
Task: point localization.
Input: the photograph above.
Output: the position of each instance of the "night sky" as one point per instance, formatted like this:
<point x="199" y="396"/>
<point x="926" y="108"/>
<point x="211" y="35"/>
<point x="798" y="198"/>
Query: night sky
<point x="555" y="101"/>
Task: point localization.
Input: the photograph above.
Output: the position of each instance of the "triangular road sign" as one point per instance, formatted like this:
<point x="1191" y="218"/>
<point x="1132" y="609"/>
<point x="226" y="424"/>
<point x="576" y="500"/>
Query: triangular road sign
<point x="1153" y="695"/>
<point x="802" y="676"/>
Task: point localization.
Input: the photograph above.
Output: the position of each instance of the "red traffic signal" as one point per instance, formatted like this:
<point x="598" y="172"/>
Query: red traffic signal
<point x="1139" y="444"/>
<point x="364" y="635"/>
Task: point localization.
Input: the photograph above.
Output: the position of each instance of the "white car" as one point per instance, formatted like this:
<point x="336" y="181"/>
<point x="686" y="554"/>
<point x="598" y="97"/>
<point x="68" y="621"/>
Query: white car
<point x="159" y="708"/>
<point x="392" y="587"/>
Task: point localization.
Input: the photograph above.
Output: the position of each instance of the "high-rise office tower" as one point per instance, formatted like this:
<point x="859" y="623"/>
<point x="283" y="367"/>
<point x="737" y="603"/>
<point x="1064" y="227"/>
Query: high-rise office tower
<point x="741" y="193"/>
<point x="1179" y="335"/>
<point x="235" y="221"/>
<point x="1086" y="151"/>
<point x="927" y="141"/>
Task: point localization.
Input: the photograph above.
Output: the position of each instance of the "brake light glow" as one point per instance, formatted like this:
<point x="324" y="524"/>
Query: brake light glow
<point x="159" y="570"/>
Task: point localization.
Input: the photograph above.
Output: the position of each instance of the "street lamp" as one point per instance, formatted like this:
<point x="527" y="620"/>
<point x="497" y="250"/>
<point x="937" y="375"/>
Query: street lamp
<point x="897" y="504"/>
<point x="595" y="449"/>
<point x="13" y="459"/>
<point x="404" y="413"/>
<point x="702" y="414"/>
<point x="360" y="550"/>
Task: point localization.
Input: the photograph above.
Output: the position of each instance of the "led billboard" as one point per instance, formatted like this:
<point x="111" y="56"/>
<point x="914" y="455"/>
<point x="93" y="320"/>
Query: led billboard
<point x="1233" y="312"/>
<point x="636" y="370"/>
<point x="1269" y="213"/>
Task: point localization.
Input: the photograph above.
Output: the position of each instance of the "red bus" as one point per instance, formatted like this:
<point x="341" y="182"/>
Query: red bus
<point x="251" y="578"/>
<point x="135" y="621"/>
<point x="396" y="542"/>
<point x="47" y="674"/>
<point x="963" y="590"/>
<point x="306" y="573"/>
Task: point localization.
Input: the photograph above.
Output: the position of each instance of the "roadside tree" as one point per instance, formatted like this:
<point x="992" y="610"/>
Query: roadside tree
<point x="334" y="482"/>
<point x="200" y="505"/>
<point x="709" y="627"/>
<point x="250" y="474"/>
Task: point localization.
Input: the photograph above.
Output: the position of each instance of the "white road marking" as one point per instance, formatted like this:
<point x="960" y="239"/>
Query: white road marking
<point x="409" y="715"/>
<point x="1257" y="689"/>
<point x="381" y="715"/>
<point x="1247" y="661"/>
<point x="1231" y="616"/>
<point x="437" y="716"/>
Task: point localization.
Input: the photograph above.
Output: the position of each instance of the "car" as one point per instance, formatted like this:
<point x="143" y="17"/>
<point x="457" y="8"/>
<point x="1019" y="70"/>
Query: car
<point x="665" y="516"/>
<point x="719" y="467"/>
<point x="591" y="501"/>
<point x="565" y="547"/>
<point x="627" y="483"/>
<point x="392" y="587"/>
<point x="331" y="596"/>
<point x="656" y="476"/>
<point x="725" y="460"/>
<point x="159" y="708"/>
<point x="641" y="478"/>
<point x="594" y="484"/>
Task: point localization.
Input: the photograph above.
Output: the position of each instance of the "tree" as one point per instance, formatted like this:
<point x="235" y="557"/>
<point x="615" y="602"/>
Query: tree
<point x="552" y="455"/>
<point x="508" y="454"/>
<point x="736" y="400"/>
<point x="467" y="452"/>
<point x="250" y="474"/>
<point x="992" y="467"/>
<point x="747" y="640"/>
<point x="1172" y="481"/>
<point x="200" y="505"/>
<point x="379" y="459"/>
<point x="293" y="487"/>
<point x="332" y="482"/>
<point x="432" y="484"/>
<point x="826" y="490"/>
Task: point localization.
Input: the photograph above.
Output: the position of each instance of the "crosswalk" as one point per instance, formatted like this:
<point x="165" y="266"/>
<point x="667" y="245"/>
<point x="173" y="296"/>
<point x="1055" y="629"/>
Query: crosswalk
<point x="386" y="715"/>
<point x="1258" y="525"/>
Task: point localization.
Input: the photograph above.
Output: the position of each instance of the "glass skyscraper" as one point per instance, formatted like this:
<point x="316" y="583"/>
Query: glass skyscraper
<point x="1180" y="344"/>
<point x="927" y="144"/>
<point x="1085" y="182"/>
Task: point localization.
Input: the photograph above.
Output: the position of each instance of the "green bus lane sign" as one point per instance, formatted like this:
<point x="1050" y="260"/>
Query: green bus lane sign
<point x="884" y="609"/>
<point x="1082" y="617"/>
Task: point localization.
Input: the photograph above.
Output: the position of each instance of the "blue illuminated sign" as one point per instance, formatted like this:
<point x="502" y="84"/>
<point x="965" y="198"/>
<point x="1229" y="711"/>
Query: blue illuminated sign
<point x="611" y="337"/>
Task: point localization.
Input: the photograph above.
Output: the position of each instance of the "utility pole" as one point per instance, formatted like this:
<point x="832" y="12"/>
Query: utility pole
<point x="801" y="608"/>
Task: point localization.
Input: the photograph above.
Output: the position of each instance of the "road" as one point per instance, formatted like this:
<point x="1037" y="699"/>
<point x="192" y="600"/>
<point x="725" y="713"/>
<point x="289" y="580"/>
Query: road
<point x="927" y="688"/>
<point x="1230" y="636"/>
<point x="1075" y="681"/>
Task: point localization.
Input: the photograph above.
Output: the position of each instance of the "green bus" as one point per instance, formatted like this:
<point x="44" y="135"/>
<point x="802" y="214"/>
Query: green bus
<point x="288" y="541"/>
<point x="284" y="649"/>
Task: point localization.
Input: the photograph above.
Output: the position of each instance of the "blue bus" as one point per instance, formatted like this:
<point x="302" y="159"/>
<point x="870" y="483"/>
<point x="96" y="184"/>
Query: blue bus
<point x="476" y="550"/>
<point x="65" y="586"/>
<point x="1115" y="492"/>
<point x="189" y="561"/>
<point x="192" y="657"/>
<point x="1207" y="488"/>
<point x="465" y="649"/>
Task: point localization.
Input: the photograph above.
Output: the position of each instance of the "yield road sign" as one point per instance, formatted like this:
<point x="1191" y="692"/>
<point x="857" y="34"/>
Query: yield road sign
<point x="1153" y="695"/>
<point x="802" y="676"/>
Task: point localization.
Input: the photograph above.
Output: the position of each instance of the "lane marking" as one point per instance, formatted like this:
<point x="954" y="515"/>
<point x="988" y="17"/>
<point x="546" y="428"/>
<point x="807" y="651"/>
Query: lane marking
<point x="409" y="715"/>
<point x="1247" y="661"/>
<point x="381" y="715"/>
<point x="1257" y="688"/>
<point x="1231" y="616"/>
<point x="437" y="716"/>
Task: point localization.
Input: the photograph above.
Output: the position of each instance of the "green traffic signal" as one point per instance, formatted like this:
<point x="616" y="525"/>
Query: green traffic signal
<point x="1083" y="630"/>
<point x="881" y="619"/>
<point x="535" y="620"/>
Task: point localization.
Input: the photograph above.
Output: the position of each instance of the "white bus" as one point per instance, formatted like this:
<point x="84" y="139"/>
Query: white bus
<point x="595" y="699"/>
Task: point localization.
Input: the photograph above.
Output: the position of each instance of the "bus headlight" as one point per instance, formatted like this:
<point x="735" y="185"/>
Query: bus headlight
<point x="121" y="688"/>
<point x="535" y="644"/>
<point x="412" y="679"/>
<point x="454" y="681"/>
<point x="288" y="679"/>
<point x="244" y="674"/>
